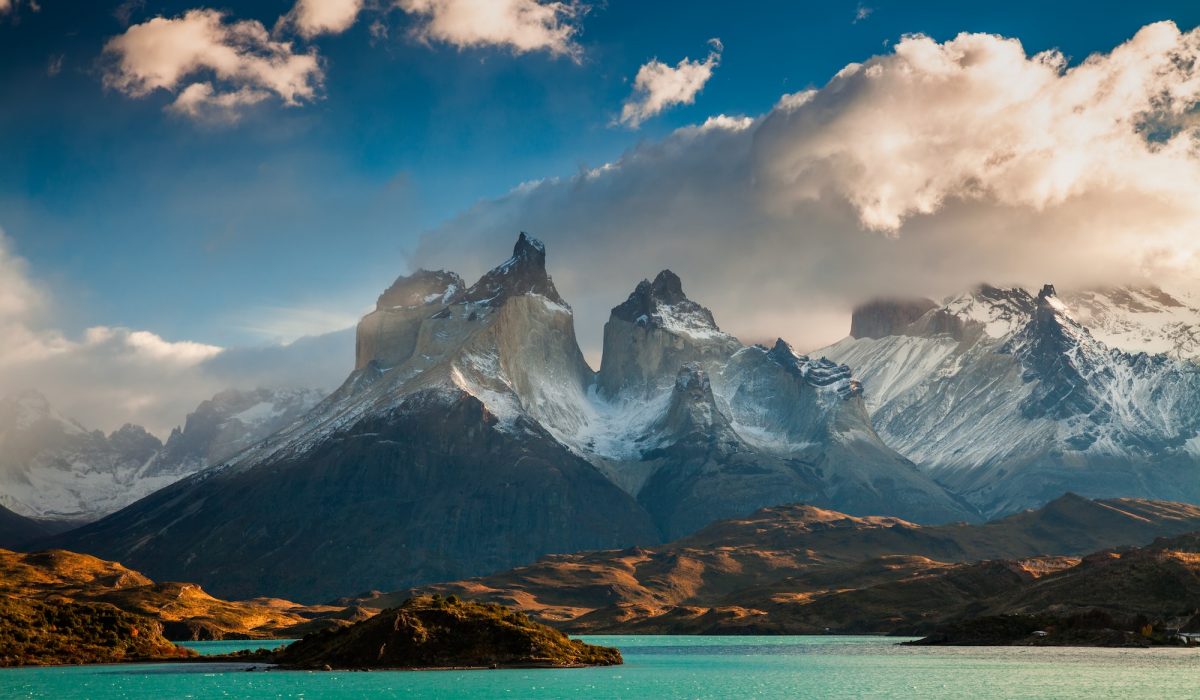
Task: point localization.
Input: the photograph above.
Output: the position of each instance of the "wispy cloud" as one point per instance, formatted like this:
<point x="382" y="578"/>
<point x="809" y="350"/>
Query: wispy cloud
<point x="109" y="375"/>
<point x="659" y="87"/>
<point x="286" y="324"/>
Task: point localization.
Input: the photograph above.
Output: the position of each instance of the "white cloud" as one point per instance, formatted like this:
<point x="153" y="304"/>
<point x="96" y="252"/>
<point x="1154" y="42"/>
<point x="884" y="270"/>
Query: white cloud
<point x="520" y="25"/>
<point x="862" y="12"/>
<point x="659" y="87"/>
<point x="286" y="324"/>
<point x="215" y="65"/>
<point x="107" y="376"/>
<point x="975" y="161"/>
<point x="311" y="18"/>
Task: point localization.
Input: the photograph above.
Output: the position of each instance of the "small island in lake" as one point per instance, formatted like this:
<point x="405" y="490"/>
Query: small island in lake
<point x="436" y="632"/>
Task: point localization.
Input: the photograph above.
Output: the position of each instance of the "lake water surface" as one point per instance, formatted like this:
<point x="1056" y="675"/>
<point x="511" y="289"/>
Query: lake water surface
<point x="675" y="667"/>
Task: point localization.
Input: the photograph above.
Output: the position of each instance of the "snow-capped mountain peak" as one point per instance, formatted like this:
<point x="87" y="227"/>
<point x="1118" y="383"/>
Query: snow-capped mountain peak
<point x="662" y="304"/>
<point x="1027" y="402"/>
<point x="999" y="311"/>
<point x="1141" y="318"/>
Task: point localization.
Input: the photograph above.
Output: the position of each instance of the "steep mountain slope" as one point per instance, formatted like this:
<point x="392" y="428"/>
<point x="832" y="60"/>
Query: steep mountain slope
<point x="228" y="423"/>
<point x="472" y="436"/>
<point x="748" y="572"/>
<point x="17" y="530"/>
<point x="52" y="467"/>
<point x="1005" y="398"/>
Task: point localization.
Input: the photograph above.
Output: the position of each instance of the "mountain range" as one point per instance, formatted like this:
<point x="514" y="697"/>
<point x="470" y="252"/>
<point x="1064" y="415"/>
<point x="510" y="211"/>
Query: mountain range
<point x="1007" y="399"/>
<point x="472" y="436"/>
<point x="52" y="468"/>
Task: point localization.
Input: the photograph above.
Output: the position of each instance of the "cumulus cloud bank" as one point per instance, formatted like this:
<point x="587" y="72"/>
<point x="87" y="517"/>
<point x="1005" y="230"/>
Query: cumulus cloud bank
<point x="659" y="87"/>
<point x="520" y="25"/>
<point x="108" y="375"/>
<point x="925" y="170"/>
<point x="214" y="65"/>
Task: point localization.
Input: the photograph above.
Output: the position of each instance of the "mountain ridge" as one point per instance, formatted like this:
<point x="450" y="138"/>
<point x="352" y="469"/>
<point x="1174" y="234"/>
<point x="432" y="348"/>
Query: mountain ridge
<point x="473" y="436"/>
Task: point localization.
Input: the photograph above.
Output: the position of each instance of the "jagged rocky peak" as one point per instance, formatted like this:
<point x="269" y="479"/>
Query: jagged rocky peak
<point x="693" y="408"/>
<point x="821" y="372"/>
<point x="998" y="311"/>
<point x="662" y="304"/>
<point x="882" y="317"/>
<point x="133" y="440"/>
<point x="1058" y="353"/>
<point x="523" y="273"/>
<point x="420" y="288"/>
<point x="653" y="333"/>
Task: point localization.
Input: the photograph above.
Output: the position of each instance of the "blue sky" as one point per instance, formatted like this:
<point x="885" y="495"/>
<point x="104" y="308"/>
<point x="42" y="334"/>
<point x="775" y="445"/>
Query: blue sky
<point x="149" y="220"/>
<point x="120" y="212"/>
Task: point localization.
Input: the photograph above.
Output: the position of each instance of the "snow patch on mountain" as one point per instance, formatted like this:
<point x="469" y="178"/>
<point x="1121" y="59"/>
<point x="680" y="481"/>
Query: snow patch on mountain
<point x="1140" y="319"/>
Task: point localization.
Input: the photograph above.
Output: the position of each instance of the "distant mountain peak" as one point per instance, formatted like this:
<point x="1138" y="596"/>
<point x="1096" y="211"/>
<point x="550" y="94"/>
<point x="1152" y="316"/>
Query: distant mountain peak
<point x="523" y="273"/>
<point x="886" y="316"/>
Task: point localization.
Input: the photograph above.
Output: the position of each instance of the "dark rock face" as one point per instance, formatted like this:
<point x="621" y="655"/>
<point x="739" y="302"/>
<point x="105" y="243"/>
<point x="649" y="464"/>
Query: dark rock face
<point x="818" y="373"/>
<point x="642" y="306"/>
<point x="134" y="441"/>
<point x="523" y="273"/>
<point x="884" y="317"/>
<point x="441" y="633"/>
<point x="428" y="492"/>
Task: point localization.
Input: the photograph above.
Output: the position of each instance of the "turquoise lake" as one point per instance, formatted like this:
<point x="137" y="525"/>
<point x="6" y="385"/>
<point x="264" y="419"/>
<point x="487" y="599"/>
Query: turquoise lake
<point x="675" y="667"/>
